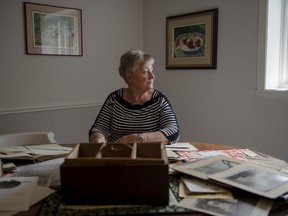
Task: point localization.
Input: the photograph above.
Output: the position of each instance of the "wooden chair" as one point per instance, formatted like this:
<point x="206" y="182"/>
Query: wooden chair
<point x="30" y="138"/>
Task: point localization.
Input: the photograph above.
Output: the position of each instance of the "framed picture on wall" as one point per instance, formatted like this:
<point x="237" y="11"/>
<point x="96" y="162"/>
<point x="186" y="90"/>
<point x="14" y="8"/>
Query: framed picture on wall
<point x="191" y="40"/>
<point x="53" y="30"/>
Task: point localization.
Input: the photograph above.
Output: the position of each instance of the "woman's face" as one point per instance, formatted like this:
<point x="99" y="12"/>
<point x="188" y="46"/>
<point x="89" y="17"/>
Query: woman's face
<point x="143" y="77"/>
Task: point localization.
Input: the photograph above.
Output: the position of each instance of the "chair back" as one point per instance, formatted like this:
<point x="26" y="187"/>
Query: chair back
<point x="28" y="138"/>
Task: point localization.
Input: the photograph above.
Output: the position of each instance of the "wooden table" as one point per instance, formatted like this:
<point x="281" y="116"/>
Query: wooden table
<point x="211" y="146"/>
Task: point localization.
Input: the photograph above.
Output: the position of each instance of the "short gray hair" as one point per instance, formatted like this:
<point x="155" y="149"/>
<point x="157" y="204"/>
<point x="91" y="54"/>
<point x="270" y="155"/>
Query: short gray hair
<point x="130" y="60"/>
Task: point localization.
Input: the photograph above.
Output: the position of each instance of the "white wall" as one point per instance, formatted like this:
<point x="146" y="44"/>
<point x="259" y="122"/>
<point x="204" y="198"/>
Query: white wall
<point x="39" y="93"/>
<point x="218" y="106"/>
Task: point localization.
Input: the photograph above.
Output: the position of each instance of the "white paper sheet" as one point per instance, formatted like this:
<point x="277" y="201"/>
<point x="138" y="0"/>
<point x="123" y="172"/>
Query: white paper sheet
<point x="39" y="194"/>
<point x="16" y="193"/>
<point x="181" y="147"/>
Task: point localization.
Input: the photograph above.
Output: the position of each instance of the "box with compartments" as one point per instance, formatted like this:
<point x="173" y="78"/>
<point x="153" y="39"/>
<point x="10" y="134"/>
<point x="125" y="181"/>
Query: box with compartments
<point x="115" y="174"/>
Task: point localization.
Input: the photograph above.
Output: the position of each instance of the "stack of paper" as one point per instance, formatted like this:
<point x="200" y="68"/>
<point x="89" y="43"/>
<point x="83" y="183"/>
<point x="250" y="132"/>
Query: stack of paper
<point x="19" y="193"/>
<point x="36" y="153"/>
<point x="178" y="147"/>
<point x="191" y="187"/>
<point x="248" y="206"/>
<point x="244" y="175"/>
<point x="262" y="181"/>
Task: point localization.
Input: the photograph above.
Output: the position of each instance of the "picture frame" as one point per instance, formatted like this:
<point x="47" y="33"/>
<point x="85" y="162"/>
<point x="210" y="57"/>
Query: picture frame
<point x="53" y="30"/>
<point x="256" y="179"/>
<point x="203" y="168"/>
<point x="191" y="40"/>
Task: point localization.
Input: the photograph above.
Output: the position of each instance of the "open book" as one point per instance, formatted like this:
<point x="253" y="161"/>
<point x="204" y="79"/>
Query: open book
<point x="36" y="153"/>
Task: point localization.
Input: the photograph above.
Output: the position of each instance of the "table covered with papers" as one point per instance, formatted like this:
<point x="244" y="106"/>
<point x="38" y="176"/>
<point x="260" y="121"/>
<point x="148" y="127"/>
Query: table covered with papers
<point x="53" y="205"/>
<point x="188" y="192"/>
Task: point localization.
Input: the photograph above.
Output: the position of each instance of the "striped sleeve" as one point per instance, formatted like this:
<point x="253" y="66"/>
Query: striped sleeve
<point x="168" y="121"/>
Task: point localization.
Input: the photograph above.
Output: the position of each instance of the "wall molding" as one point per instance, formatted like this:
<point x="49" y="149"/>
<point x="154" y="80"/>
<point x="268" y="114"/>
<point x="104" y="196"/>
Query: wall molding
<point x="47" y="108"/>
<point x="272" y="94"/>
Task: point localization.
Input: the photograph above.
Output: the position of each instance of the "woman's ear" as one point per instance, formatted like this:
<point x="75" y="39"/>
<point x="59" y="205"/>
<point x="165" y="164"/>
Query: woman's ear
<point x="129" y="77"/>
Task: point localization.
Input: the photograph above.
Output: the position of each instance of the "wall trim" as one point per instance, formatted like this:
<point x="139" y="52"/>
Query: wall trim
<point x="272" y="94"/>
<point x="47" y="108"/>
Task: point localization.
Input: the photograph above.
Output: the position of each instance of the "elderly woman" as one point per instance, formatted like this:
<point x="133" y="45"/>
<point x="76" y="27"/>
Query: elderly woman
<point x="138" y="113"/>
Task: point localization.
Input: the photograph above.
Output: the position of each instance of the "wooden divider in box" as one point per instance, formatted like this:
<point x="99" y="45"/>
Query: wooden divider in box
<point x="133" y="173"/>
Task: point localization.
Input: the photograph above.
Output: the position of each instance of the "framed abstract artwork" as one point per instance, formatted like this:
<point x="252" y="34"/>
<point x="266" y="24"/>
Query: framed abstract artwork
<point x="191" y="40"/>
<point x="53" y="30"/>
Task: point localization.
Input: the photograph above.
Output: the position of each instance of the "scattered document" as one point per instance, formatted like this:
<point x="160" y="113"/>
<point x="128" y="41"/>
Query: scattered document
<point x="268" y="161"/>
<point x="183" y="194"/>
<point x="16" y="193"/>
<point x="8" y="167"/>
<point x="48" y="172"/>
<point x="34" y="152"/>
<point x="173" y="156"/>
<point x="191" y="155"/>
<point x="39" y="194"/>
<point x="203" y="168"/>
<point x="181" y="146"/>
<point x="221" y="207"/>
<point x="256" y="179"/>
<point x="50" y="147"/>
<point x="172" y="198"/>
<point x="247" y="176"/>
<point x="174" y="148"/>
<point x="195" y="185"/>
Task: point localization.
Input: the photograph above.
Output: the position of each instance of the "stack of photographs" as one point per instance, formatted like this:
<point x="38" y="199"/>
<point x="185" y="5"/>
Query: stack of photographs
<point x="250" y="177"/>
<point x="264" y="184"/>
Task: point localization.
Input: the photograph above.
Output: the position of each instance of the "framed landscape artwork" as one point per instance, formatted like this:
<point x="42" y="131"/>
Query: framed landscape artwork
<point x="53" y="30"/>
<point x="191" y="40"/>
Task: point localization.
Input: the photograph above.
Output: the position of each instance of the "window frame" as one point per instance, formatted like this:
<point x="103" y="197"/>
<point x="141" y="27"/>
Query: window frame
<point x="261" y="90"/>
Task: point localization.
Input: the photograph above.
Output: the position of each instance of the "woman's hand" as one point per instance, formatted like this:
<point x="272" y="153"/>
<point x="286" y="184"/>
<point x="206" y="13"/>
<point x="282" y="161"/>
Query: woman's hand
<point x="148" y="137"/>
<point x="97" y="137"/>
<point x="131" y="138"/>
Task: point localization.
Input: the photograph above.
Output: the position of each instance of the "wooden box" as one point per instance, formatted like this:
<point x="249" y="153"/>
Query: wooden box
<point x="115" y="174"/>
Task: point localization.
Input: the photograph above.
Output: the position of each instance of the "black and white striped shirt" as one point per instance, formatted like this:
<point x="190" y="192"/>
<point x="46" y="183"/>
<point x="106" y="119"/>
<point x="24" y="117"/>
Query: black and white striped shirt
<point x="118" y="118"/>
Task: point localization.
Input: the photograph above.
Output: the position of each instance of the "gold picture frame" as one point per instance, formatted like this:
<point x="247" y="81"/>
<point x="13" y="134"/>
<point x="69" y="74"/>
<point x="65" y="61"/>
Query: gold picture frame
<point x="53" y="30"/>
<point x="191" y="40"/>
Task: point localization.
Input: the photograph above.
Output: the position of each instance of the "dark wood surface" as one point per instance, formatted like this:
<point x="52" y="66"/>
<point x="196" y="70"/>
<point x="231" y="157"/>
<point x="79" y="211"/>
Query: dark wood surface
<point x="211" y="146"/>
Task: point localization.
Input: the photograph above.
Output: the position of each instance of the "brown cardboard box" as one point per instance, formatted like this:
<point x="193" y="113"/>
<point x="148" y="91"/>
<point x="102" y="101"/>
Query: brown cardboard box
<point x="116" y="174"/>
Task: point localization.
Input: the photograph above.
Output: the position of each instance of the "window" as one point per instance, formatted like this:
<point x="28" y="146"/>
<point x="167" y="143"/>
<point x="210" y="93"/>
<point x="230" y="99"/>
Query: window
<point x="273" y="49"/>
